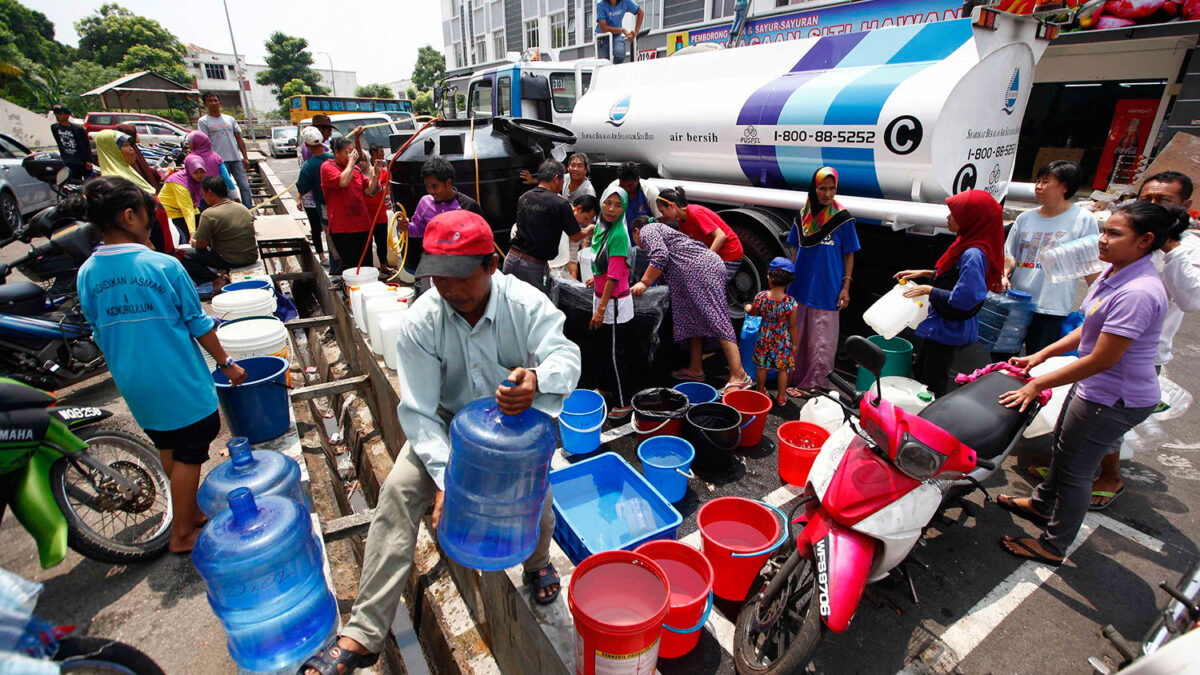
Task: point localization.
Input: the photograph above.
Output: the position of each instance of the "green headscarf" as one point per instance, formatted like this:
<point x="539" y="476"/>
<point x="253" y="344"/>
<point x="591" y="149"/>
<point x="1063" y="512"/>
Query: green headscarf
<point x="113" y="162"/>
<point x="610" y="239"/>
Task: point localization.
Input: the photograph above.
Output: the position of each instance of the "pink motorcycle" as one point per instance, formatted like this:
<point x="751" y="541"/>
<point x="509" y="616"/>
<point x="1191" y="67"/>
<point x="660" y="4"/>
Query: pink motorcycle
<point x="873" y="489"/>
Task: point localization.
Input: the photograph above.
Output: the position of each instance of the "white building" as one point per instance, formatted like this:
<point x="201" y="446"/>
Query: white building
<point x="214" y="71"/>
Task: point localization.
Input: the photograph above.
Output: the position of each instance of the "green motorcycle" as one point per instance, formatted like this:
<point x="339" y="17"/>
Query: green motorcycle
<point x="99" y="491"/>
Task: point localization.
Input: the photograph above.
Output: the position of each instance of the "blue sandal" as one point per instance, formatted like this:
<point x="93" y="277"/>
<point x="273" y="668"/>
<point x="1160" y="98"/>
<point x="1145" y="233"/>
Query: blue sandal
<point x="542" y="579"/>
<point x="326" y="661"/>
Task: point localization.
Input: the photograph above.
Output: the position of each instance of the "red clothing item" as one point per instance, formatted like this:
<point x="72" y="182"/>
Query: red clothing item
<point x="980" y="225"/>
<point x="700" y="225"/>
<point x="375" y="205"/>
<point x="346" y="206"/>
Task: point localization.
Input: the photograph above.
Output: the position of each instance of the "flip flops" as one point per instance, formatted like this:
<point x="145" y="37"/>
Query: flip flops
<point x="541" y="580"/>
<point x="1111" y="496"/>
<point x="683" y="375"/>
<point x="1009" y="503"/>
<point x="1025" y="550"/>
<point x="326" y="662"/>
<point x="734" y="386"/>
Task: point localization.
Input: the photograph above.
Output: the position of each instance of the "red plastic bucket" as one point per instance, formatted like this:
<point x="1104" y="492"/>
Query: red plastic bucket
<point x="754" y="407"/>
<point x="690" y="577"/>
<point x="619" y="600"/>
<point x="658" y="412"/>
<point x="799" y="444"/>
<point x="738" y="536"/>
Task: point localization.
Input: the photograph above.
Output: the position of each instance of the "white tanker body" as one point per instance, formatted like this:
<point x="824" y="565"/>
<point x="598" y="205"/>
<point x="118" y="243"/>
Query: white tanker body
<point x="912" y="113"/>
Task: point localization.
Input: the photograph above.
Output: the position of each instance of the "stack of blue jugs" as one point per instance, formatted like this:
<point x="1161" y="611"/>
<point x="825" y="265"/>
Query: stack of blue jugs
<point x="1004" y="320"/>
<point x="262" y="562"/>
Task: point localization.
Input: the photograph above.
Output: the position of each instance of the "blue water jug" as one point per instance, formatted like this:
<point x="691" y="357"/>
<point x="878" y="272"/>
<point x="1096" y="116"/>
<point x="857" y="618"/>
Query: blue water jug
<point x="749" y="340"/>
<point x="262" y="565"/>
<point x="495" y="484"/>
<point x="265" y="472"/>
<point x="1004" y="319"/>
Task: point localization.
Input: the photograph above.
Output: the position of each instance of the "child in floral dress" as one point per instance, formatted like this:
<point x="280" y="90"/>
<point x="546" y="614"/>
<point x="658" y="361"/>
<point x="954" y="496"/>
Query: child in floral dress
<point x="779" y="329"/>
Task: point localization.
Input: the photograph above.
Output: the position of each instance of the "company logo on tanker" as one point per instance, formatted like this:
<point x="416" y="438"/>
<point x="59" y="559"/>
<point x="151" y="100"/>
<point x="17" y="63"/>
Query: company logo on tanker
<point x="1010" y="94"/>
<point x="619" y="111"/>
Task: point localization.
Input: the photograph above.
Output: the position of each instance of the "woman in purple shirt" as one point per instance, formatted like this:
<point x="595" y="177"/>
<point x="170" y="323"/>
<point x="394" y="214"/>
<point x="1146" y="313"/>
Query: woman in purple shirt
<point x="1116" y="386"/>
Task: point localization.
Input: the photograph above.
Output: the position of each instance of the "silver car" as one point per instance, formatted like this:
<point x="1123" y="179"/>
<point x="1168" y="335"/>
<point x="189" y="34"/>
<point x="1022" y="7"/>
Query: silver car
<point x="283" y="141"/>
<point x="20" y="193"/>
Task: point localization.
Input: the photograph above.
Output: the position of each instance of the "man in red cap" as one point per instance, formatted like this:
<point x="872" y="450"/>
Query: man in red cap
<point x="458" y="343"/>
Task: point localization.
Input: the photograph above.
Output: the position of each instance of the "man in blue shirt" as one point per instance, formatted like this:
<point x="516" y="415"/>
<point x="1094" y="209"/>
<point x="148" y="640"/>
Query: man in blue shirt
<point x="609" y="14"/>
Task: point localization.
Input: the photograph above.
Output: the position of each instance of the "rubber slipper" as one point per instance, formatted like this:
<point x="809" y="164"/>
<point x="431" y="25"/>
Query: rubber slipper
<point x="735" y="386"/>
<point x="541" y="580"/>
<point x="798" y="393"/>
<point x="1009" y="503"/>
<point x="620" y="413"/>
<point x="685" y="376"/>
<point x="1026" y="551"/>
<point x="327" y="661"/>
<point x="1034" y="473"/>
<point x="1104" y="493"/>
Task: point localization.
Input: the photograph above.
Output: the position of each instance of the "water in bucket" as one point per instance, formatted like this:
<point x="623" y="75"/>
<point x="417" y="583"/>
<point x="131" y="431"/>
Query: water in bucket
<point x="618" y="600"/>
<point x="690" y="578"/>
<point x="496" y="482"/>
<point x="738" y="536"/>
<point x="262" y="566"/>
<point x="265" y="472"/>
<point x="666" y="461"/>
<point x="714" y="430"/>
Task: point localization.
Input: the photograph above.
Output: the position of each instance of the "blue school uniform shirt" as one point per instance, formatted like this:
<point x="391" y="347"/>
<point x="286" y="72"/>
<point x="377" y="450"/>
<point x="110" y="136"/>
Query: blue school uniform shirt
<point x="820" y="268"/>
<point x="145" y="314"/>
<point x="970" y="290"/>
<point x="612" y="14"/>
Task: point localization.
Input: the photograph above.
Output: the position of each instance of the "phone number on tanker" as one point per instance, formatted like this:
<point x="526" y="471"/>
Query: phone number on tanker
<point x="991" y="153"/>
<point x="824" y="136"/>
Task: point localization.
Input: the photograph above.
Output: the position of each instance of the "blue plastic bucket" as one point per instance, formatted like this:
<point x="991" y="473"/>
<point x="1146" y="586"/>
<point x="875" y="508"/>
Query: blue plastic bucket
<point x="697" y="392"/>
<point x="666" y="463"/>
<point x="579" y="424"/>
<point x="259" y="408"/>
<point x="247" y="285"/>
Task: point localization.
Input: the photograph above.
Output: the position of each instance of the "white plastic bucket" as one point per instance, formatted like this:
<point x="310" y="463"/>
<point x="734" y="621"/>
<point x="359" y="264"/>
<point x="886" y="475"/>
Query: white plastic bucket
<point x="586" y="256"/>
<point x="255" y="336"/>
<point x="376" y="308"/>
<point x="389" y="330"/>
<point x="239" y="304"/>
<point x="359" y="276"/>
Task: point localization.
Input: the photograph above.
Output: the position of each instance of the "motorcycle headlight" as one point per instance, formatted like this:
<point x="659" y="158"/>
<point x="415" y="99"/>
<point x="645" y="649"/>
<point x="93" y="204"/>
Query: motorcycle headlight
<point x="917" y="459"/>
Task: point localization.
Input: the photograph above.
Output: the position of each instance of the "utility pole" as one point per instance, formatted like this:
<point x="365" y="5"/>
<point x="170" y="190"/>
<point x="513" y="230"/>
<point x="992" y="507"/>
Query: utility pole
<point x="237" y="70"/>
<point x="332" y="75"/>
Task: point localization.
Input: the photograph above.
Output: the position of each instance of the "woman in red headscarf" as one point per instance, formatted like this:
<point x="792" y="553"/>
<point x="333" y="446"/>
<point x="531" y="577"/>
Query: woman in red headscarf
<point x="972" y="265"/>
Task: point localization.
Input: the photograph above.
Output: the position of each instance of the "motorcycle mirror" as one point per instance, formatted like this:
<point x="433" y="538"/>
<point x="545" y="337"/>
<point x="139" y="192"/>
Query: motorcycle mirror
<point x="437" y="96"/>
<point x="866" y="354"/>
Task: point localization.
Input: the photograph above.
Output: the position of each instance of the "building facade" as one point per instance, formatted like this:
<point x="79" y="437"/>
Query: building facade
<point x="214" y="71"/>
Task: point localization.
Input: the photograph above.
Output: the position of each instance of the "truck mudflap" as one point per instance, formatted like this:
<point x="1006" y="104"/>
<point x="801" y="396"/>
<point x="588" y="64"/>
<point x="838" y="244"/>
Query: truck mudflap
<point x="843" y="561"/>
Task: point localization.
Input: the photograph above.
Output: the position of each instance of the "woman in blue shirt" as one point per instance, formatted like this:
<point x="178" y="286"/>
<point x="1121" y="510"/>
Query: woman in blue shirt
<point x="147" y="318"/>
<point x="973" y="264"/>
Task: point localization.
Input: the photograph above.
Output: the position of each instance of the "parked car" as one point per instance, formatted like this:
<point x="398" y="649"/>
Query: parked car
<point x="404" y="121"/>
<point x="20" y="193"/>
<point x="99" y="121"/>
<point x="344" y="124"/>
<point x="283" y="141"/>
<point x="150" y="132"/>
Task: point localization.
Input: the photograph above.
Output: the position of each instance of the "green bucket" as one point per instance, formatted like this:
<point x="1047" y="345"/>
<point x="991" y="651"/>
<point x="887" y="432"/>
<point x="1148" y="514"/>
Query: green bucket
<point x="898" y="354"/>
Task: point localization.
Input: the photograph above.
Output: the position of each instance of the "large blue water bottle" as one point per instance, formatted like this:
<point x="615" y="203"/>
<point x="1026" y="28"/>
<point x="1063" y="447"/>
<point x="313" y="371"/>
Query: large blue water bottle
<point x="266" y="583"/>
<point x="749" y="340"/>
<point x="1004" y="319"/>
<point x="495" y="484"/>
<point x="265" y="472"/>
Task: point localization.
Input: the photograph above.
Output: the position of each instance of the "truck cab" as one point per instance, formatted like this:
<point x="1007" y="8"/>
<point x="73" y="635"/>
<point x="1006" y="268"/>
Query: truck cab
<point x="543" y="90"/>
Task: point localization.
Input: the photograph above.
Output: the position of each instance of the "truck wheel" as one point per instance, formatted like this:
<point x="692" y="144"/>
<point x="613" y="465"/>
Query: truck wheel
<point x="751" y="276"/>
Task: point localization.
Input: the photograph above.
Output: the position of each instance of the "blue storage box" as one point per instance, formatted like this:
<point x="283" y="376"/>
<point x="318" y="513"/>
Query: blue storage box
<point x="602" y="504"/>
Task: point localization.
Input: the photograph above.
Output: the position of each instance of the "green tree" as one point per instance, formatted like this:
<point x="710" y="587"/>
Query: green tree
<point x="295" y="87"/>
<point x="22" y="80"/>
<point x="32" y="34"/>
<point x="430" y="68"/>
<point x="288" y="59"/>
<point x="78" y="77"/>
<point x="423" y="103"/>
<point x="374" y="91"/>
<point x="157" y="61"/>
<point x="110" y="34"/>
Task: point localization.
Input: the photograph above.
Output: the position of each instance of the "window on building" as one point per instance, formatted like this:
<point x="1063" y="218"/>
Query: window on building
<point x="722" y="8"/>
<point x="653" y="10"/>
<point x="214" y="71"/>
<point x="558" y="30"/>
<point x="495" y="15"/>
<point x="498" y="45"/>
<point x="481" y="49"/>
<point x="504" y="96"/>
<point x="531" y="34"/>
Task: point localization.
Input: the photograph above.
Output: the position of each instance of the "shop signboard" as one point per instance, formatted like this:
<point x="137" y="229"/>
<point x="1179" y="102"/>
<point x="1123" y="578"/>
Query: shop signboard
<point x="1126" y="137"/>
<point x="1116" y="13"/>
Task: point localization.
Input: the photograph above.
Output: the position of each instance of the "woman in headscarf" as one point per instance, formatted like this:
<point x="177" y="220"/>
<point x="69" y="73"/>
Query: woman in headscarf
<point x="972" y="265"/>
<point x="695" y="277"/>
<point x="181" y="193"/>
<point x="140" y="164"/>
<point x="200" y="145"/>
<point x="118" y="156"/>
<point x="612" y="303"/>
<point x="825" y="240"/>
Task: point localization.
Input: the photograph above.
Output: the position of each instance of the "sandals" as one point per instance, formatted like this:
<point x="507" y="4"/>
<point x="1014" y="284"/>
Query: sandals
<point x="801" y="394"/>
<point x="781" y="403"/>
<point x="620" y="413"/>
<point x="685" y="376"/>
<point x="1111" y="496"/>
<point x="1024" y="549"/>
<point x="327" y="660"/>
<point x="1009" y="503"/>
<point x="735" y="386"/>
<point x="541" y="580"/>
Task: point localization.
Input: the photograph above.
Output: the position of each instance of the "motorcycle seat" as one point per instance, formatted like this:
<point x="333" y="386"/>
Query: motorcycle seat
<point x="973" y="414"/>
<point x="22" y="297"/>
<point x="16" y="396"/>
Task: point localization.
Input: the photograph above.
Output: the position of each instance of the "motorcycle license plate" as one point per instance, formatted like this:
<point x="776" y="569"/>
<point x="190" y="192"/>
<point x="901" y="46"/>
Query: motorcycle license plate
<point x="830" y="457"/>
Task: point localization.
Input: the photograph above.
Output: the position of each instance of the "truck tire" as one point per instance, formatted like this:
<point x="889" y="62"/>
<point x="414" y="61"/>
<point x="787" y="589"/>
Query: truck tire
<point x="752" y="275"/>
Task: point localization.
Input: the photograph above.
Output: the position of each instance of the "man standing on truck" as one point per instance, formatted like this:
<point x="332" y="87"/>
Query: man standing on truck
<point x="609" y="15"/>
<point x="543" y="217"/>
<point x="226" y="137"/>
<point x="457" y="344"/>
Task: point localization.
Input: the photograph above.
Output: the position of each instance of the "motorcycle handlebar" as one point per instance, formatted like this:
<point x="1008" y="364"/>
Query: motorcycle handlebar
<point x="985" y="463"/>
<point x="843" y="387"/>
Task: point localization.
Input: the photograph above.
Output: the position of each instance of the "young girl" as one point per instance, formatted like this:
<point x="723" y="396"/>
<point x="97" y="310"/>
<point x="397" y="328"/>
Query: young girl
<point x="133" y="297"/>
<point x="780" y="329"/>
